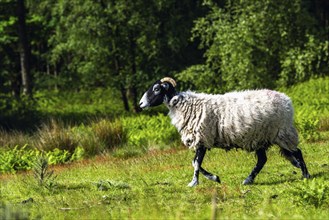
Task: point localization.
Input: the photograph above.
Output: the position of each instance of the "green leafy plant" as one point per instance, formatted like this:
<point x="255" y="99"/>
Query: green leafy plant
<point x="18" y="158"/>
<point x="149" y="131"/>
<point x="312" y="192"/>
<point x="308" y="127"/>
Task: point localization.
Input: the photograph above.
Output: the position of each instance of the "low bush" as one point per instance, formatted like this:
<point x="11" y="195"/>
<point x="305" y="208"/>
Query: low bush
<point x="311" y="103"/>
<point x="24" y="158"/>
<point x="150" y="132"/>
<point x="308" y="127"/>
<point x="17" y="158"/>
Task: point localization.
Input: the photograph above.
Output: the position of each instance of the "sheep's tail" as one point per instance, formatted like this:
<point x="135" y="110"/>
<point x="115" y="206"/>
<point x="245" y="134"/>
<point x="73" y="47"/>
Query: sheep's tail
<point x="287" y="138"/>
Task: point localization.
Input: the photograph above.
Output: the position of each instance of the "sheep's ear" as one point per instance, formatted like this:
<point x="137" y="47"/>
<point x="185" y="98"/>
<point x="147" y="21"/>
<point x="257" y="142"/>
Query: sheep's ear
<point x="174" y="100"/>
<point x="165" y="85"/>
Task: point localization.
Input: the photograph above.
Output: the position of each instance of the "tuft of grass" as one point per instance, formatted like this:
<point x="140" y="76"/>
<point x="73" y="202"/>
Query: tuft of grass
<point x="10" y="139"/>
<point x="54" y="135"/>
<point x="110" y="134"/>
<point x="324" y="124"/>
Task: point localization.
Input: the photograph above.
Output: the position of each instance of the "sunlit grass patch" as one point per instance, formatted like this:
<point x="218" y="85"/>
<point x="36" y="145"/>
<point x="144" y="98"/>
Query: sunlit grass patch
<point x="154" y="185"/>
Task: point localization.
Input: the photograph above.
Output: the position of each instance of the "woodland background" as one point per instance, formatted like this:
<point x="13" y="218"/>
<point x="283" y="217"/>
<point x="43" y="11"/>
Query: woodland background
<point x="49" y="47"/>
<point x="73" y="142"/>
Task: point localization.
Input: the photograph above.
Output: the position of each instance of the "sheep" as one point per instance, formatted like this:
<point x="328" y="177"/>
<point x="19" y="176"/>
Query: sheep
<point x="252" y="120"/>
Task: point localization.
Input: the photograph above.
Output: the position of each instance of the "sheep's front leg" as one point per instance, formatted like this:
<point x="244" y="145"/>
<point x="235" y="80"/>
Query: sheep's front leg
<point x="196" y="163"/>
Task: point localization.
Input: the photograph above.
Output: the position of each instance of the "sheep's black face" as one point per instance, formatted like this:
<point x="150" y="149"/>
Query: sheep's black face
<point x="157" y="94"/>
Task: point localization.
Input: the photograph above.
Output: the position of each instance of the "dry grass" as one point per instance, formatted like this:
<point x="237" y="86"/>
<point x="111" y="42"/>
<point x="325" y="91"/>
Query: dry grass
<point x="324" y="124"/>
<point x="110" y="134"/>
<point x="55" y="135"/>
<point x="13" y="138"/>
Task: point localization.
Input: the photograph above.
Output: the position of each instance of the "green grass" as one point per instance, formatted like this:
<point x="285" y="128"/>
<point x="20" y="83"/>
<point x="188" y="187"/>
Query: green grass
<point x="152" y="182"/>
<point x="154" y="186"/>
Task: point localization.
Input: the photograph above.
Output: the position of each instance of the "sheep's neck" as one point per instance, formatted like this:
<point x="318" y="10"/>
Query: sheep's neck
<point x="169" y="96"/>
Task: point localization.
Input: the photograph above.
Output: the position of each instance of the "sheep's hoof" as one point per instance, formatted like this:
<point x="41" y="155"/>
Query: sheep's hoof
<point x="307" y="176"/>
<point x="193" y="183"/>
<point x="217" y="179"/>
<point x="248" y="181"/>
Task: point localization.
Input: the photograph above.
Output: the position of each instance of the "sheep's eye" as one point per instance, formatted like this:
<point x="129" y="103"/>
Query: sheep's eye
<point x="156" y="88"/>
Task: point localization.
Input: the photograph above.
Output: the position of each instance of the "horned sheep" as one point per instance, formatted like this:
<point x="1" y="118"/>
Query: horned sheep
<point x="252" y="120"/>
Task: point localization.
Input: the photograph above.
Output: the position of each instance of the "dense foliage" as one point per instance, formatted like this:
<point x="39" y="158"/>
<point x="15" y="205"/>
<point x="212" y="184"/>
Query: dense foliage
<point x="255" y="44"/>
<point x="83" y="45"/>
<point x="64" y="141"/>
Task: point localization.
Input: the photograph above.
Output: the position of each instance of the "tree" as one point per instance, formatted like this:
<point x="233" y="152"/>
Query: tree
<point x="254" y="44"/>
<point x="14" y="35"/>
<point x="24" y="48"/>
<point x="121" y="44"/>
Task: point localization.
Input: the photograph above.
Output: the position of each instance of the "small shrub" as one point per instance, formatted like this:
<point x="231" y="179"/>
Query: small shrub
<point x="17" y="159"/>
<point x="58" y="156"/>
<point x="312" y="192"/>
<point x="78" y="154"/>
<point x="308" y="127"/>
<point x="42" y="174"/>
<point x="146" y="131"/>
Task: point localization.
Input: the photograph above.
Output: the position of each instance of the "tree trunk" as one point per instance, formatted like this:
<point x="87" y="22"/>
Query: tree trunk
<point x="133" y="89"/>
<point x="133" y="93"/>
<point x="24" y="49"/>
<point x="124" y="97"/>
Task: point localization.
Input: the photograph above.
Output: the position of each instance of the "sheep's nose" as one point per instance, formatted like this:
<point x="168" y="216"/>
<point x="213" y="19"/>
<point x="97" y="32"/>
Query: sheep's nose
<point x="143" y="103"/>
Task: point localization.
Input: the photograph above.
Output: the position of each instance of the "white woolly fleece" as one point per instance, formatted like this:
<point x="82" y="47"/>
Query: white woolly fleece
<point x="250" y="119"/>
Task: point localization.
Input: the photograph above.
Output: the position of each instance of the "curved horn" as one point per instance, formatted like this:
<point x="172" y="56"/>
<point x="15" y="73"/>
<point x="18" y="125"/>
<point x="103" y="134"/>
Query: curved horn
<point x="170" y="80"/>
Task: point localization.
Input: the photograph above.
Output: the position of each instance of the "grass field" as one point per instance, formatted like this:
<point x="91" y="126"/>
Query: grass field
<point x="154" y="186"/>
<point x="147" y="176"/>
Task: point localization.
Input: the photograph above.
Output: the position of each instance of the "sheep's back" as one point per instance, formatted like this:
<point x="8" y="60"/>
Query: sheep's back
<point x="253" y="119"/>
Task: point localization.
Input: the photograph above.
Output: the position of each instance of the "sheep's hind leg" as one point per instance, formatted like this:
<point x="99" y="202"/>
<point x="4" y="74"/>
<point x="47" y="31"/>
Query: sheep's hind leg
<point x="299" y="157"/>
<point x="261" y="160"/>
<point x="197" y="161"/>
<point x="288" y="155"/>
